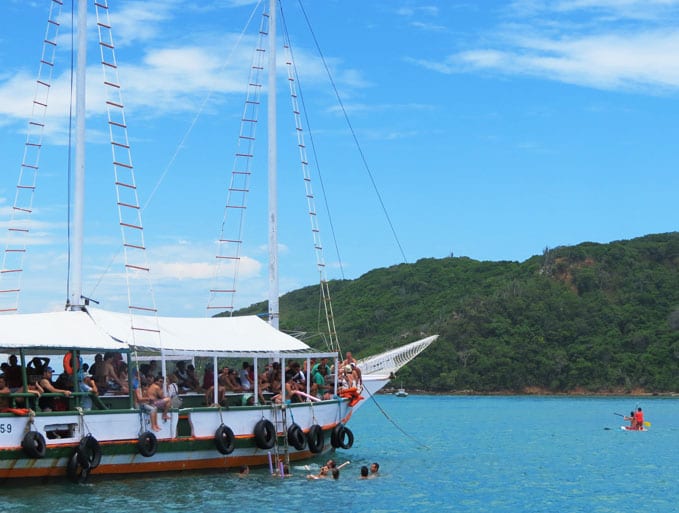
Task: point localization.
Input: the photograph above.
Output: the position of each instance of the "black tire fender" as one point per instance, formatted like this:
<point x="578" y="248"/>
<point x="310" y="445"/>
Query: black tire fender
<point x="34" y="444"/>
<point x="147" y="444"/>
<point x="265" y="434"/>
<point x="296" y="437"/>
<point x="315" y="439"/>
<point x="76" y="471"/>
<point x="345" y="433"/>
<point x="225" y="439"/>
<point x="91" y="451"/>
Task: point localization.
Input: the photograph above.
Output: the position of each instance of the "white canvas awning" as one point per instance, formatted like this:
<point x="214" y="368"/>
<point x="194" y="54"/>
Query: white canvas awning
<point x="101" y="330"/>
<point x="54" y="330"/>
<point x="210" y="335"/>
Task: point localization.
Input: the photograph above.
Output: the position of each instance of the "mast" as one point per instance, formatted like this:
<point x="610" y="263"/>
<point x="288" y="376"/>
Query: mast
<point x="272" y="150"/>
<point x="75" y="286"/>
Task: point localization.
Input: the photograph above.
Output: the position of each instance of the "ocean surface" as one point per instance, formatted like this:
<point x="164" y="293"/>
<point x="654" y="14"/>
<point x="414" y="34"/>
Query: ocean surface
<point x="436" y="453"/>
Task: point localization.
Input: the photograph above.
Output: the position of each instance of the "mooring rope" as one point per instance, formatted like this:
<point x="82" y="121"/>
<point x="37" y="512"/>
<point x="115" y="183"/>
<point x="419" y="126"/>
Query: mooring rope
<point x="393" y="422"/>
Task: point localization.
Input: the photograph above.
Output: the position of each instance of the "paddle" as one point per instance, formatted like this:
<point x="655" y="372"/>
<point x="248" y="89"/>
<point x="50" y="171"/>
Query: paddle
<point x="618" y="414"/>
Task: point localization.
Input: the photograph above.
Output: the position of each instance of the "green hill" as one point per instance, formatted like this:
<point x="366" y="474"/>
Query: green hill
<point x="591" y="317"/>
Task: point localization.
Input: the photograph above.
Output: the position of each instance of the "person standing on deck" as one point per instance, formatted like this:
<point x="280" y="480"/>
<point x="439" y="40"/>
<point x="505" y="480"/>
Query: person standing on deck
<point x="639" y="418"/>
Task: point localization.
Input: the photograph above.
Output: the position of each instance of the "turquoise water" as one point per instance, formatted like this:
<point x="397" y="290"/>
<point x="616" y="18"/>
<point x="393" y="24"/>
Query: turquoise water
<point x="482" y="454"/>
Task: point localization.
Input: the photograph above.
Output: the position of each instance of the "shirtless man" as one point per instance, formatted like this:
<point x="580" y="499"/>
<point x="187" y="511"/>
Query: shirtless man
<point x="143" y="401"/>
<point x="321" y="475"/>
<point x="349" y="360"/>
<point x="110" y="379"/>
<point x="156" y="394"/>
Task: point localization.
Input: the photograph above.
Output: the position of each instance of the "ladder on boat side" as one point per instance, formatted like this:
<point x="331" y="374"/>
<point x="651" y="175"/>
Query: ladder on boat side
<point x="281" y="426"/>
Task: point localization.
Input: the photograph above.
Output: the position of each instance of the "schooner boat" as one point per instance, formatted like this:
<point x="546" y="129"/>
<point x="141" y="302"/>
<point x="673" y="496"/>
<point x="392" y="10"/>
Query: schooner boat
<point x="113" y="433"/>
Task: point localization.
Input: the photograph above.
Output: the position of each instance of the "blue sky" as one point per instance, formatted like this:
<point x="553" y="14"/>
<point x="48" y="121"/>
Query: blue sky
<point x="492" y="130"/>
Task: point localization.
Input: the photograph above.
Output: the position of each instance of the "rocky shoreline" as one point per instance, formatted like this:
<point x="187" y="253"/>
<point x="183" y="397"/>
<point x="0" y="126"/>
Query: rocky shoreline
<point x="536" y="391"/>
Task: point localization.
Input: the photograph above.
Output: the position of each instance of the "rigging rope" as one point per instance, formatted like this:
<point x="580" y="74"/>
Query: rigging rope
<point x="353" y="134"/>
<point x="312" y="144"/>
<point x="393" y="422"/>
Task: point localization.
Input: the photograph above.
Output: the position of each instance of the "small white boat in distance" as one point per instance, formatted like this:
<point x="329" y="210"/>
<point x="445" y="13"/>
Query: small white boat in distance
<point x="401" y="392"/>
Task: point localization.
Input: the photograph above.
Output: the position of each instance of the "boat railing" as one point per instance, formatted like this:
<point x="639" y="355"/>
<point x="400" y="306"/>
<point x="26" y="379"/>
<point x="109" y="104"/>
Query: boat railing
<point x="30" y="400"/>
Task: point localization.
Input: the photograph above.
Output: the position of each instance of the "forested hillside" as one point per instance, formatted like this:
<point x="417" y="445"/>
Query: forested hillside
<point x="592" y="317"/>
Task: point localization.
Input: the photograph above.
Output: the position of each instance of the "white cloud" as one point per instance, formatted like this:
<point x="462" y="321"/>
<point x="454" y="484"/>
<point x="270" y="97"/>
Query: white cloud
<point x="601" y="44"/>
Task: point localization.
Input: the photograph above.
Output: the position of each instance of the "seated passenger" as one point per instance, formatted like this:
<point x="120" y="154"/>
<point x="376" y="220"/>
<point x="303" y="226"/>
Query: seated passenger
<point x="98" y="362"/>
<point x="173" y="392"/>
<point x="323" y="362"/>
<point x="4" y="394"/>
<point x="346" y="378"/>
<point x="208" y="376"/>
<point x="12" y="373"/>
<point x="291" y="389"/>
<point x="123" y="379"/>
<point x="143" y="401"/>
<point x="349" y="360"/>
<point x="320" y="387"/>
<point x="182" y="377"/>
<point x="245" y="377"/>
<point x="263" y="382"/>
<point x="192" y="380"/>
<point x="35" y="368"/>
<point x="232" y="383"/>
<point x="109" y="379"/>
<point x="153" y="370"/>
<point x="156" y="394"/>
<point x="298" y="376"/>
<point x="87" y="384"/>
<point x="50" y="403"/>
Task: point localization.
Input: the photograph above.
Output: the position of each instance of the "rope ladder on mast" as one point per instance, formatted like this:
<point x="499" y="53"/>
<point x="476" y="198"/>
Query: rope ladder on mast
<point x="19" y="229"/>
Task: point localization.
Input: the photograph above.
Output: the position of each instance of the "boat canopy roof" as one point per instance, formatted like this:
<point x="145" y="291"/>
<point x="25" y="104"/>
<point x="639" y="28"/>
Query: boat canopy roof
<point x="201" y="336"/>
<point x="101" y="330"/>
<point x="55" y="330"/>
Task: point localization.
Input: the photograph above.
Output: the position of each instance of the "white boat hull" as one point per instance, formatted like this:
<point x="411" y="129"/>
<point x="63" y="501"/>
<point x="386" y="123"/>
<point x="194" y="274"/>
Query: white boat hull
<point x="185" y="442"/>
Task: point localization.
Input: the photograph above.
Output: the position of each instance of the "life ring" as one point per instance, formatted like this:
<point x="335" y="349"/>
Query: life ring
<point x="34" y="444"/>
<point x="75" y="469"/>
<point x="265" y="434"/>
<point x="315" y="439"/>
<point x="339" y="433"/>
<point x="147" y="444"/>
<point x="296" y="437"/>
<point x="68" y="363"/>
<point x="225" y="439"/>
<point x="90" y="451"/>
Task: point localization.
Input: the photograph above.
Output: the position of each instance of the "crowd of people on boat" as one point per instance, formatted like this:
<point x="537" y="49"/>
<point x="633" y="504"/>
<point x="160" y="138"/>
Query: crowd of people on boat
<point x="108" y="375"/>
